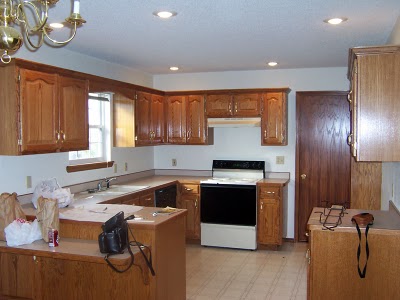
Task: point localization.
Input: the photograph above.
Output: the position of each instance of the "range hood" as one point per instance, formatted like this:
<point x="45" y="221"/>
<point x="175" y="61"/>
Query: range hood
<point x="234" y="122"/>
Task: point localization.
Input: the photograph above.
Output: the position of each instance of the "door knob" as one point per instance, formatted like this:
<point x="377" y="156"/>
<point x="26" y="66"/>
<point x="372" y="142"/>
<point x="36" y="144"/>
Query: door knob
<point x="303" y="176"/>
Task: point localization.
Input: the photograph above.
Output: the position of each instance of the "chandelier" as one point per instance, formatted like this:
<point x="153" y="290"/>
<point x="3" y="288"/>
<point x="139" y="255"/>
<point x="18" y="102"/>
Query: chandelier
<point x="32" y="17"/>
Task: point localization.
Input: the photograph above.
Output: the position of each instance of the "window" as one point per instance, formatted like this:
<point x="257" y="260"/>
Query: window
<point x="99" y="131"/>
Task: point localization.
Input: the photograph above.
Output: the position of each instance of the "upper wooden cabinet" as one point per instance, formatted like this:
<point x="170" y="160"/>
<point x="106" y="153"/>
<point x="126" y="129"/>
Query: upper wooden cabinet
<point x="374" y="74"/>
<point x="274" y="119"/>
<point x="43" y="111"/>
<point x="124" y="119"/>
<point x="186" y="122"/>
<point x="149" y="122"/>
<point x="233" y="105"/>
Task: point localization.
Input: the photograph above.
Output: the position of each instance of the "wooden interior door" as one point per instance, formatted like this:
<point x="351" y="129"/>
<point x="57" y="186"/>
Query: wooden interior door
<point x="322" y="154"/>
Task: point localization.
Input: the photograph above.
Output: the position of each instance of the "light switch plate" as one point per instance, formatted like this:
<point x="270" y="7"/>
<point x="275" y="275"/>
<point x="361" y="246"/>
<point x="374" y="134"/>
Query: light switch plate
<point x="115" y="168"/>
<point x="28" y="182"/>
<point x="280" y="160"/>
<point x="174" y="162"/>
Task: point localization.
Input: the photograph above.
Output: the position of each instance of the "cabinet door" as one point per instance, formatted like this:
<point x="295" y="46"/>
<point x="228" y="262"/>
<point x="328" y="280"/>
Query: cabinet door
<point x="247" y="105"/>
<point x="133" y="201"/>
<point x="39" y="110"/>
<point x="192" y="204"/>
<point x="142" y="118"/>
<point x="74" y="124"/>
<point x="268" y="223"/>
<point x="219" y="106"/>
<point x="196" y="123"/>
<point x="157" y="119"/>
<point x="274" y="119"/>
<point x="123" y="121"/>
<point x="176" y="119"/>
<point x="147" y="200"/>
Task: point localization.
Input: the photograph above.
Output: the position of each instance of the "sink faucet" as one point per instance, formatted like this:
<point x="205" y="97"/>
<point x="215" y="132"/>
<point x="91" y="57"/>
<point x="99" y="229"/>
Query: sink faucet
<point x="107" y="181"/>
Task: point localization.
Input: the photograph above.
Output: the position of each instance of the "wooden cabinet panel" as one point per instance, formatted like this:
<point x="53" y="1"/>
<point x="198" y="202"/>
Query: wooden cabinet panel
<point x="274" y="119"/>
<point x="247" y="105"/>
<point x="270" y="214"/>
<point x="123" y="121"/>
<point x="74" y="124"/>
<point x="374" y="73"/>
<point x="219" y="105"/>
<point x="147" y="200"/>
<point x="39" y="112"/>
<point x="192" y="204"/>
<point x="176" y="119"/>
<point x="195" y="120"/>
<point x="143" y="118"/>
<point x="157" y="128"/>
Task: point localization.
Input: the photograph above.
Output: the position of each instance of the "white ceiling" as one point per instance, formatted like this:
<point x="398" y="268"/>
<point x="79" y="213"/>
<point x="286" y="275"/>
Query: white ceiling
<point x="228" y="35"/>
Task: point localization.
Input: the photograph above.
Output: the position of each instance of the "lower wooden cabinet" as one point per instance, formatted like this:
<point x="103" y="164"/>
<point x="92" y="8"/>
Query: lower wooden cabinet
<point x="141" y="199"/>
<point x="270" y="213"/>
<point x="189" y="198"/>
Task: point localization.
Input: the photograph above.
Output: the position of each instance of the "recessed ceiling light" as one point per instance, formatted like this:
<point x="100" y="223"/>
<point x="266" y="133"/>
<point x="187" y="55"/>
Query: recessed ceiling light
<point x="335" y="21"/>
<point x="165" y="14"/>
<point x="174" y="68"/>
<point x="272" y="63"/>
<point x="56" y="25"/>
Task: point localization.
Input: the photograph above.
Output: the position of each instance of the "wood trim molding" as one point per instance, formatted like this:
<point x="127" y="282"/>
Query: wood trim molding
<point x="90" y="166"/>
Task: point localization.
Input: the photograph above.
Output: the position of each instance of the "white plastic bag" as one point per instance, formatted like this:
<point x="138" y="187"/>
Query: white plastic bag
<point x="21" y="232"/>
<point x="51" y="189"/>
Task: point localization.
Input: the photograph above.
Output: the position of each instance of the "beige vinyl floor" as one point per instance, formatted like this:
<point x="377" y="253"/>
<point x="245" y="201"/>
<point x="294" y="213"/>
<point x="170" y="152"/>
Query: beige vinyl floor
<point x="219" y="273"/>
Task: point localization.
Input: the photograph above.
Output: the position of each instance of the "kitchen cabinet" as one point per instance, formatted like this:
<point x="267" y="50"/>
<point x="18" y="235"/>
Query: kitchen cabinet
<point x="149" y="114"/>
<point x="233" y="105"/>
<point x="274" y="120"/>
<point x="123" y="119"/>
<point x="375" y="110"/>
<point x="141" y="199"/>
<point x="186" y="122"/>
<point x="43" y="111"/>
<point x="270" y="200"/>
<point x="332" y="258"/>
<point x="189" y="198"/>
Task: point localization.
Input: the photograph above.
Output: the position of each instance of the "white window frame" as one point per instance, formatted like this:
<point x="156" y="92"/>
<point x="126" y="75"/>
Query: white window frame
<point x="105" y="124"/>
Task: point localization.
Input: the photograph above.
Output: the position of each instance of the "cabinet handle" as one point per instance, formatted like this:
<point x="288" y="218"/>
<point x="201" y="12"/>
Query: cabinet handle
<point x="62" y="136"/>
<point x="230" y="107"/>
<point x="236" y="107"/>
<point x="308" y="256"/>
<point x="261" y="206"/>
<point x="349" y="96"/>
<point x="187" y="189"/>
<point x="195" y="203"/>
<point x="349" y="139"/>
<point x="265" y="133"/>
<point x="270" y="192"/>
<point x="58" y="135"/>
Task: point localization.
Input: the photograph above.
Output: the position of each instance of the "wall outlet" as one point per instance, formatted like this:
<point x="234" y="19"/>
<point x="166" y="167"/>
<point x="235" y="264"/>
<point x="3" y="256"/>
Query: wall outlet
<point x="115" y="168"/>
<point x="28" y="182"/>
<point x="280" y="160"/>
<point x="174" y="162"/>
<point x="126" y="166"/>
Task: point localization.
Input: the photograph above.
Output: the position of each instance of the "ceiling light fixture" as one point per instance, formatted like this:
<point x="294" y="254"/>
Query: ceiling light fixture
<point x="32" y="17"/>
<point x="165" y="14"/>
<point x="272" y="63"/>
<point x="174" y="68"/>
<point x="335" y="21"/>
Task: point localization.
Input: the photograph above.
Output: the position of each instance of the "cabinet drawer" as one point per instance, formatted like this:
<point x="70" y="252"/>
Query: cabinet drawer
<point x="190" y="188"/>
<point x="269" y="192"/>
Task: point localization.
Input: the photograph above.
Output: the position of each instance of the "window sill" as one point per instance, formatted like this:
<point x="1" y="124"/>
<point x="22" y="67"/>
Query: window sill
<point x="90" y="166"/>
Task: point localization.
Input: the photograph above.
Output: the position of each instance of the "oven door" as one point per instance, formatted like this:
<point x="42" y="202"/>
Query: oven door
<point x="228" y="204"/>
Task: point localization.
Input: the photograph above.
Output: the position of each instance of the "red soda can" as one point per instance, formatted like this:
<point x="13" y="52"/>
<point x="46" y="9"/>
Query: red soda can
<point x="53" y="237"/>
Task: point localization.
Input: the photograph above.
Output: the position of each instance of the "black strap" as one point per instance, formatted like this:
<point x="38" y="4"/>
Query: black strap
<point x="363" y="273"/>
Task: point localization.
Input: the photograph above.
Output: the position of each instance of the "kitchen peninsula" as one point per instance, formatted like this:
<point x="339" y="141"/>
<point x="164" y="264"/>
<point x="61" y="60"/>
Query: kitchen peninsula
<point x="80" y="226"/>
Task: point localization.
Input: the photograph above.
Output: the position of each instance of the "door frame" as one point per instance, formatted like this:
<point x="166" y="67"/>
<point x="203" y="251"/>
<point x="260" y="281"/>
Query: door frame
<point x="297" y="171"/>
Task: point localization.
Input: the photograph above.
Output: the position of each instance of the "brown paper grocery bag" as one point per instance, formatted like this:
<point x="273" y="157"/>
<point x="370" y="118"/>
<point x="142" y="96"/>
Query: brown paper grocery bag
<point x="47" y="215"/>
<point x="10" y="209"/>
